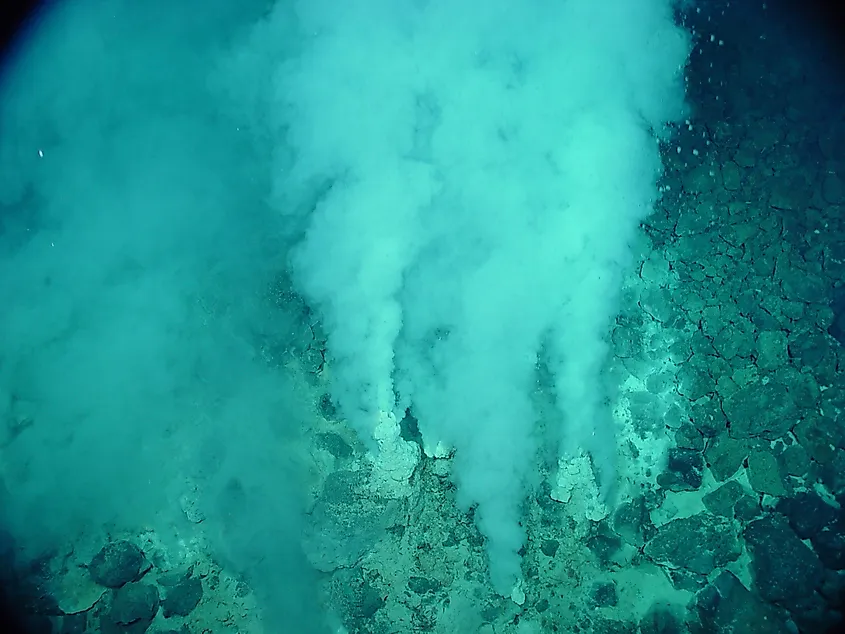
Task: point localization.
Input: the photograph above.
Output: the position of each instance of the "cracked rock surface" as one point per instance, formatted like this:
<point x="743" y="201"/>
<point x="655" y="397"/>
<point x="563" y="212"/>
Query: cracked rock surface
<point x="728" y="358"/>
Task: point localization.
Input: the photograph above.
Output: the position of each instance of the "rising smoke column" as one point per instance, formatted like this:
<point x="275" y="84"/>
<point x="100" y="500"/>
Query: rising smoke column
<point x="482" y="169"/>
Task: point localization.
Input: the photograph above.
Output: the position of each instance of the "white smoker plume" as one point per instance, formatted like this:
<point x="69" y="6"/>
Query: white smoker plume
<point x="485" y="167"/>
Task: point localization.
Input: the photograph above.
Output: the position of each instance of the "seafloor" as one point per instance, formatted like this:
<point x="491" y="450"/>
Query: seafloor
<point x="729" y="356"/>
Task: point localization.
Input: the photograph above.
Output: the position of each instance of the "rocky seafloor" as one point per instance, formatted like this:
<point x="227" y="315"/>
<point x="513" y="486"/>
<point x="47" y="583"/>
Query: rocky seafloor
<point x="729" y="354"/>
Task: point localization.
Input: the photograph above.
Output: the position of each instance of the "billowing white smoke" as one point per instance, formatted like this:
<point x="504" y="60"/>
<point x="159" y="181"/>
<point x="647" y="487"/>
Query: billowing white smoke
<point x="484" y="167"/>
